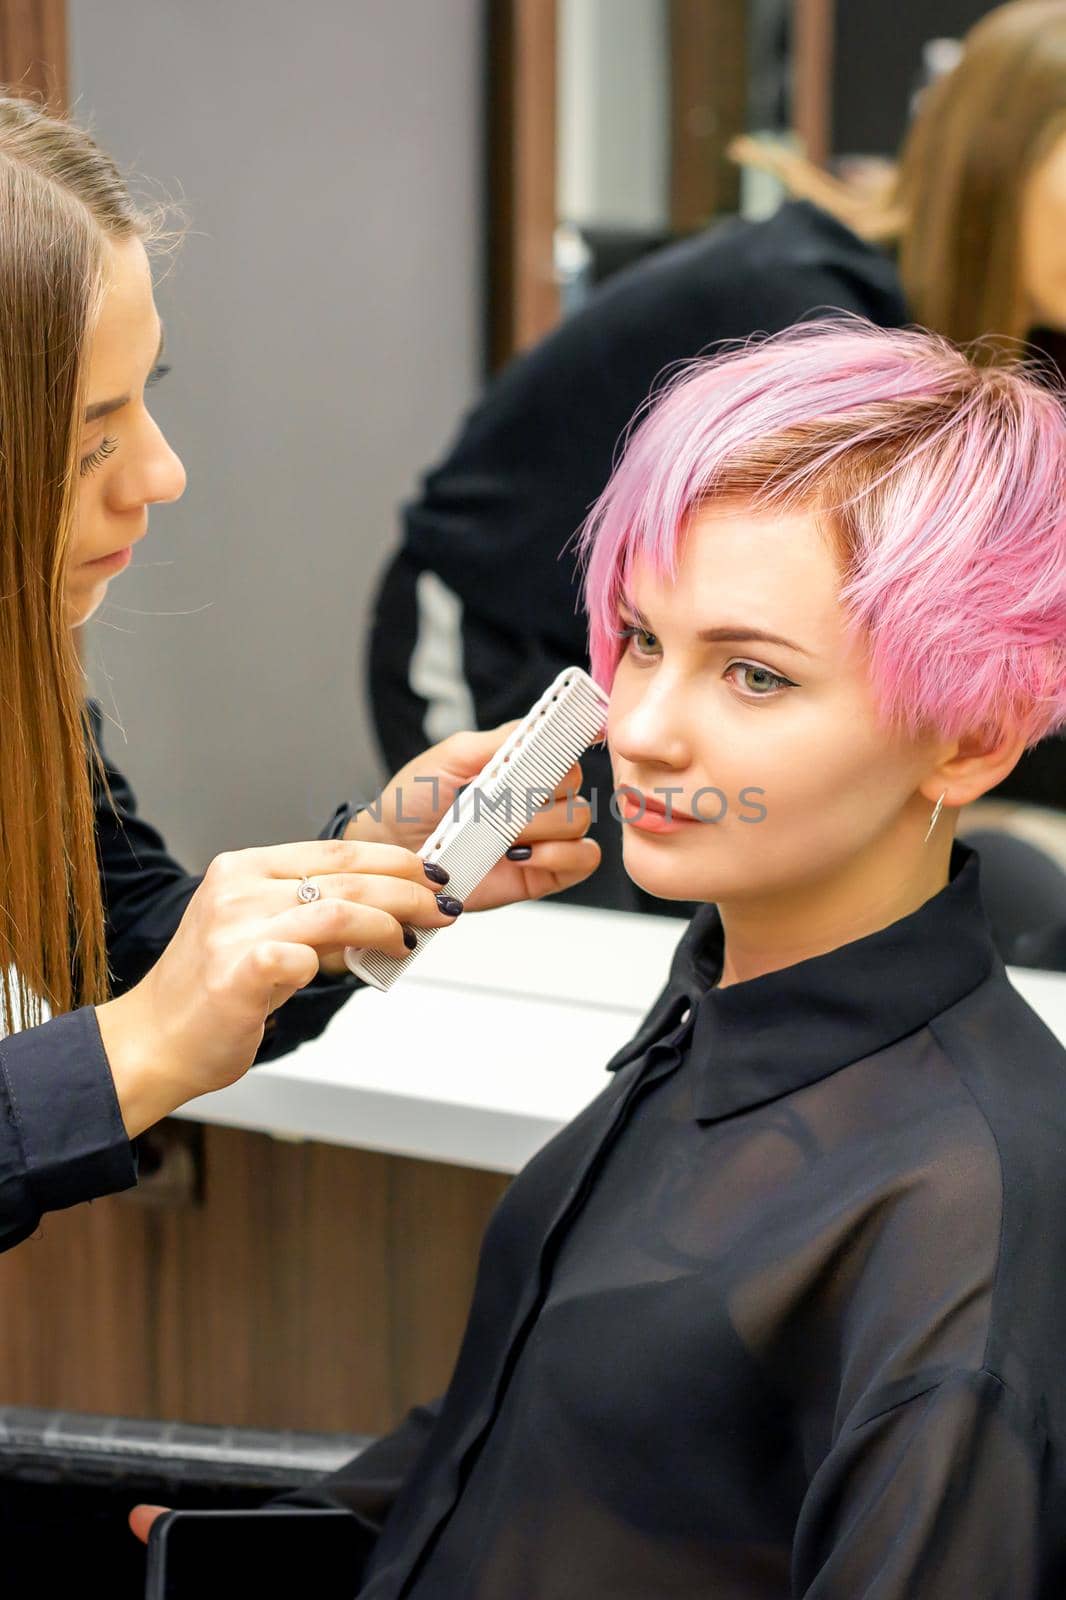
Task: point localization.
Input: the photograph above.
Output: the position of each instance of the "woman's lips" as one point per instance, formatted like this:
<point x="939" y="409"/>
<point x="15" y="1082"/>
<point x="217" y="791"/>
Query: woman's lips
<point x="112" y="563"/>
<point x="650" y="814"/>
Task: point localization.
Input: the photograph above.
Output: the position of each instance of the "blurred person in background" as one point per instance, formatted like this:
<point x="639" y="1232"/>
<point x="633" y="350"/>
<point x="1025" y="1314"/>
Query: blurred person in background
<point x="479" y="606"/>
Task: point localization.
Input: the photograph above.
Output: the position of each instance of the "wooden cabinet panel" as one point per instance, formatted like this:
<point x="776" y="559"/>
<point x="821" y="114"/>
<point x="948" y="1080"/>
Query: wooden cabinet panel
<point x="312" y="1287"/>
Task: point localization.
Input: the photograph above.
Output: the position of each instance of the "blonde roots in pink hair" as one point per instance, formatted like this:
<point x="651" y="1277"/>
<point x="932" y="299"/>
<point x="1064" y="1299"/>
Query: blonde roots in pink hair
<point x="941" y="484"/>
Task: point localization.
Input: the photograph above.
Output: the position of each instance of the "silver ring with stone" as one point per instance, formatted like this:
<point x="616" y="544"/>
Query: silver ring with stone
<point x="308" y="891"/>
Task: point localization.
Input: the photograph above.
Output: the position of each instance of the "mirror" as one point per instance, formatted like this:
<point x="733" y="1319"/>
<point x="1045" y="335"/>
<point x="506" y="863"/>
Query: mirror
<point x="650" y="93"/>
<point x="650" y="96"/>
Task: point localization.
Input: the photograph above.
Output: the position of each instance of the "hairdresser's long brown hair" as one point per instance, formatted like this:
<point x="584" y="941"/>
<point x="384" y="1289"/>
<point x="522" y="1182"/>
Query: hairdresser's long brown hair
<point x="953" y="202"/>
<point x="61" y="199"/>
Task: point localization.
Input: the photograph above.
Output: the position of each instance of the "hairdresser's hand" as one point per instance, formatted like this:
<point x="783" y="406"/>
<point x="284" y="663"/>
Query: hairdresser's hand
<point x="421" y="792"/>
<point x="245" y="944"/>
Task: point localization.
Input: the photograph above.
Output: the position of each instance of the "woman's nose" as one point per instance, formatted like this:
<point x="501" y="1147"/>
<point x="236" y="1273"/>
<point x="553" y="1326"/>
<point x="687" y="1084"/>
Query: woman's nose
<point x="647" y="730"/>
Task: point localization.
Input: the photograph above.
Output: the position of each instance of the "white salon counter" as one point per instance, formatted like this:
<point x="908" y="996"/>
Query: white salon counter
<point x="496" y="1037"/>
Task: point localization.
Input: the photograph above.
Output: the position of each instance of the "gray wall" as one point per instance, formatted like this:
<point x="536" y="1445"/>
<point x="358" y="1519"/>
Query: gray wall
<point x="324" y="324"/>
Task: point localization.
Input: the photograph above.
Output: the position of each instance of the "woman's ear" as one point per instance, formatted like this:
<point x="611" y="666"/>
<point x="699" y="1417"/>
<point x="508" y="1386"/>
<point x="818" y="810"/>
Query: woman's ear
<point x="976" y="766"/>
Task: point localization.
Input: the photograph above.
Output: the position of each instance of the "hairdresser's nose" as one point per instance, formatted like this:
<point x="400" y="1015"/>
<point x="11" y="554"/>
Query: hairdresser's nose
<point x="164" y="472"/>
<point x="645" y="724"/>
<point x="155" y="474"/>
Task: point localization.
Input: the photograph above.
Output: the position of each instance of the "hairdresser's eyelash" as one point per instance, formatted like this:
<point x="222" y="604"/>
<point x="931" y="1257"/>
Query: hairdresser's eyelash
<point x="108" y="446"/>
<point x="631" y="632"/>
<point x="96" y="457"/>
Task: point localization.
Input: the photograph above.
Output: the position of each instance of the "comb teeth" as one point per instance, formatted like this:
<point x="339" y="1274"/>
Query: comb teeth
<point x="492" y="811"/>
<point x="472" y="854"/>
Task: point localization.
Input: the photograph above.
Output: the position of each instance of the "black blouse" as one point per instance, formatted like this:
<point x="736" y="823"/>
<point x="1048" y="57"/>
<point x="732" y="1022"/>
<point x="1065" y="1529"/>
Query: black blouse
<point x="62" y="1139"/>
<point x="781" y="1313"/>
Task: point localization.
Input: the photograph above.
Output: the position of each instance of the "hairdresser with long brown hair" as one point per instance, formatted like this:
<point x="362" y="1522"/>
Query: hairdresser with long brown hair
<point x="128" y="986"/>
<point x="969" y="239"/>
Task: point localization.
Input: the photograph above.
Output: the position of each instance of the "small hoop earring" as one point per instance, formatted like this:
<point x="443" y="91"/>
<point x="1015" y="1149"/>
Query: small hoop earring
<point x="936" y="813"/>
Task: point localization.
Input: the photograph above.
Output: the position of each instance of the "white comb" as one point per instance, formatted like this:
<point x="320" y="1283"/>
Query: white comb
<point x="493" y="809"/>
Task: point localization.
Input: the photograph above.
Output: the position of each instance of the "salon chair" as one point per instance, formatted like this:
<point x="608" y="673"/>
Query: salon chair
<point x="1023" y="886"/>
<point x="68" y="1482"/>
<point x="1045" y="949"/>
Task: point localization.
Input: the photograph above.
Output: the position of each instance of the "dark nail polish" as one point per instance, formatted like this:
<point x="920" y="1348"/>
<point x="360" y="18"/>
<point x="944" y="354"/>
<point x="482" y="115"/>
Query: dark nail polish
<point x="434" y="873"/>
<point x="520" y="852"/>
<point x="410" y="938"/>
<point x="450" y="906"/>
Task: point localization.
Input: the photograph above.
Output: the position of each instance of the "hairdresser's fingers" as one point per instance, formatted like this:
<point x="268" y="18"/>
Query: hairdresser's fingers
<point x="461" y="756"/>
<point x="428" y="783"/>
<point x="318" y="858"/>
<point x="550" y="868"/>
<point x="333" y="924"/>
<point x="141" y="1519"/>
<point x="540" y="800"/>
<point x="570" y="783"/>
<point x="426" y="786"/>
<point x="423" y="791"/>
<point x="285" y="967"/>
<point x="418" y="902"/>
<point x="564" y="819"/>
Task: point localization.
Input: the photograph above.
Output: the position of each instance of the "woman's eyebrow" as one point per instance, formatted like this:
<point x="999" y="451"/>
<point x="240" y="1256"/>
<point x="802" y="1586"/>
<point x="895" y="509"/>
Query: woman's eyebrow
<point x="728" y="633"/>
<point x="104" y="408"/>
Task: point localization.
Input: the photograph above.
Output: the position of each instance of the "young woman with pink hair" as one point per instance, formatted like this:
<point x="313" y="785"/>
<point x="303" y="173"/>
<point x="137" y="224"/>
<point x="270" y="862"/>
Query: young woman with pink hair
<point x="782" y="1312"/>
<point x="967" y="237"/>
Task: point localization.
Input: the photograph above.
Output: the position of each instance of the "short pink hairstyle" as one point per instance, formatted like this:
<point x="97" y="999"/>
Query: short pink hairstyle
<point x="941" y="484"/>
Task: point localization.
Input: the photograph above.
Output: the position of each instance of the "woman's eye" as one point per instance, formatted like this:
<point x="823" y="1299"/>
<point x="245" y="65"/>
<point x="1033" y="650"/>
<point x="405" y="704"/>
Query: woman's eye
<point x="643" y="642"/>
<point x="762" y="684"/>
<point x="96" y="457"/>
<point x="766" y="680"/>
<point x="156" y="373"/>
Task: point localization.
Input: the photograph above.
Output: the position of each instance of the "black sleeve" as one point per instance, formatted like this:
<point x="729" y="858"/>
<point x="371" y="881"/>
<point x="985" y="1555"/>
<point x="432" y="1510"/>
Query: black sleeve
<point x="146" y="892"/>
<point x="927" y="1473"/>
<point x="480" y="607"/>
<point x="368" y="1485"/>
<point x="936" y="1494"/>
<point x="62" y="1139"/>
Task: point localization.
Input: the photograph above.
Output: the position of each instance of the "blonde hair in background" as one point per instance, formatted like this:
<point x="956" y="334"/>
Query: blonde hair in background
<point x="952" y="203"/>
<point x="61" y="199"/>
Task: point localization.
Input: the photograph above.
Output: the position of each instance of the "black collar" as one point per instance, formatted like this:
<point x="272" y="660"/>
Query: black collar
<point x="768" y="1036"/>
